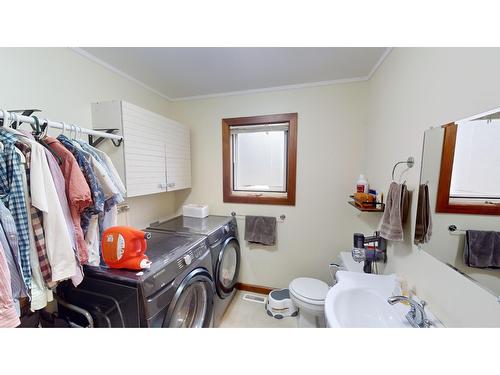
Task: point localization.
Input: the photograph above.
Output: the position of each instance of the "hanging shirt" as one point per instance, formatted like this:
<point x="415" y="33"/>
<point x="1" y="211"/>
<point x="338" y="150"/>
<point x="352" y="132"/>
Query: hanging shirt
<point x="59" y="184"/>
<point x="96" y="189"/>
<point x="8" y="239"/>
<point x="12" y="195"/>
<point x="40" y="292"/>
<point x="111" y="169"/>
<point x="8" y="314"/>
<point x="36" y="218"/>
<point x="44" y="197"/>
<point x="77" y="190"/>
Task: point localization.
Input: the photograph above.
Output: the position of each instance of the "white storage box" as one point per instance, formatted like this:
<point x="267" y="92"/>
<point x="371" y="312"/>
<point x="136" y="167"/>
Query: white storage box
<point x="195" y="210"/>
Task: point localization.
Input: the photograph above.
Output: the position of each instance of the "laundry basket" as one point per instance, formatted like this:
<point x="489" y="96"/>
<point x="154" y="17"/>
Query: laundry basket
<point x="279" y="304"/>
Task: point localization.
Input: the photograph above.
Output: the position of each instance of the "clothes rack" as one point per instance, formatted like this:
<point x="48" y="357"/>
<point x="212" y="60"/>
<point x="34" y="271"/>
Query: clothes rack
<point x="15" y="117"/>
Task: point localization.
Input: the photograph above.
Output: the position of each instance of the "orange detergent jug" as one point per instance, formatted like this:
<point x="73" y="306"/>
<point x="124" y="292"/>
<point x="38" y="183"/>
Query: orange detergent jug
<point x="125" y="247"/>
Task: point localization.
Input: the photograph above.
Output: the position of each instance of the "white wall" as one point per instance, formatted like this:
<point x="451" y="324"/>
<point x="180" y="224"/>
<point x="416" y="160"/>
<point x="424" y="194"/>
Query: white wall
<point x="416" y="88"/>
<point x="330" y="133"/>
<point x="63" y="84"/>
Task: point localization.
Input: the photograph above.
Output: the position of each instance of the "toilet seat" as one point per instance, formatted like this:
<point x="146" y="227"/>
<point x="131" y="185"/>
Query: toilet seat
<point x="312" y="291"/>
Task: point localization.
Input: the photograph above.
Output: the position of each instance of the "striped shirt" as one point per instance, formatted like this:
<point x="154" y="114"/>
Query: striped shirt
<point x="37" y="222"/>
<point x="12" y="195"/>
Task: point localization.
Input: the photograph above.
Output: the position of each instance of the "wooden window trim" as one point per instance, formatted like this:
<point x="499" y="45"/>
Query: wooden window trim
<point x="229" y="197"/>
<point x="443" y="194"/>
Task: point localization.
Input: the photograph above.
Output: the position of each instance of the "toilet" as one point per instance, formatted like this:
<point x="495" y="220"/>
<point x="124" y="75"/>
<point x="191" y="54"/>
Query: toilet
<point x="309" y="296"/>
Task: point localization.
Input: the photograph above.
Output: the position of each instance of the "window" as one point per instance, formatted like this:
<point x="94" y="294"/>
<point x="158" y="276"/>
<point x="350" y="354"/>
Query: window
<point x="468" y="181"/>
<point x="259" y="159"/>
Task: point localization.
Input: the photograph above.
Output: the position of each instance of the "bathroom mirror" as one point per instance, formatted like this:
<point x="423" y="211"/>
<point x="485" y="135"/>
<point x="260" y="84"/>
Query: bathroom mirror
<point x="460" y="191"/>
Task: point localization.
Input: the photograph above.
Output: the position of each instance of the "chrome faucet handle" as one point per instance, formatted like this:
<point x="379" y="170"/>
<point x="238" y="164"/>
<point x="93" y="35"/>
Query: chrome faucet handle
<point x="416" y="316"/>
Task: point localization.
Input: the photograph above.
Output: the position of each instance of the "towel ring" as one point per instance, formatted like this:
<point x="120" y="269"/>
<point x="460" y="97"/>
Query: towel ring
<point x="410" y="162"/>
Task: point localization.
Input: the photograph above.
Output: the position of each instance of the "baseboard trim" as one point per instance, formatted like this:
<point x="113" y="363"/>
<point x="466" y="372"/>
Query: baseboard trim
<point x="254" y="288"/>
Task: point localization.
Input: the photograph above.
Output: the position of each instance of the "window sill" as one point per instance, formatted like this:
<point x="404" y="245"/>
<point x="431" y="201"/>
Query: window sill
<point x="260" y="198"/>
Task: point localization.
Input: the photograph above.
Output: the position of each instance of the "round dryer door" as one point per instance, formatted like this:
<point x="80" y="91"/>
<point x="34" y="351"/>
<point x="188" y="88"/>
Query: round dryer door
<point x="228" y="267"/>
<point x="192" y="306"/>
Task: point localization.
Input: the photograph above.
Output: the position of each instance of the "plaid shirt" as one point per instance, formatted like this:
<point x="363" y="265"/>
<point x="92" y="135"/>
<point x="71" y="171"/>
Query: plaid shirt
<point x="98" y="197"/>
<point x="12" y="195"/>
<point x="8" y="239"/>
<point x="37" y="222"/>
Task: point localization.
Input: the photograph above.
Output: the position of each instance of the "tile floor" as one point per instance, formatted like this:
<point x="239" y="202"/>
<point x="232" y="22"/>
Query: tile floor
<point x="248" y="314"/>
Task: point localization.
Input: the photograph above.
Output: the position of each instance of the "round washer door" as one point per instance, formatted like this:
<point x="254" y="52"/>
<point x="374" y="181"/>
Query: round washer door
<point x="228" y="267"/>
<point x="193" y="303"/>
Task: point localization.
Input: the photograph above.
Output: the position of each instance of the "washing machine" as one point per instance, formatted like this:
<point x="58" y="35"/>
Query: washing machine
<point x="176" y="291"/>
<point x="222" y="236"/>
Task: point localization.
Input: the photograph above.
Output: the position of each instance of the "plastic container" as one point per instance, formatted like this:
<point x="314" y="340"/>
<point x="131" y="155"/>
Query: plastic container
<point x="195" y="210"/>
<point x="125" y="247"/>
<point x="362" y="184"/>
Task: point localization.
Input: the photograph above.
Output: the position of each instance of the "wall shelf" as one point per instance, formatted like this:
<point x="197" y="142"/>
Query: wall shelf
<point x="379" y="207"/>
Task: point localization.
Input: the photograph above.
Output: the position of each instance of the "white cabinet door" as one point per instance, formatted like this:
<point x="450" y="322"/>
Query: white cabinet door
<point x="145" y="161"/>
<point x="178" y="156"/>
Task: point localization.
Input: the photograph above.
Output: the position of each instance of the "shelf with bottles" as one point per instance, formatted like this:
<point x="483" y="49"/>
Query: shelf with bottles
<point x="368" y="206"/>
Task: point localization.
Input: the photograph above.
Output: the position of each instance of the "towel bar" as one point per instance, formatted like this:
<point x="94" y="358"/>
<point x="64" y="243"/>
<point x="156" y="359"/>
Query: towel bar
<point x="280" y="218"/>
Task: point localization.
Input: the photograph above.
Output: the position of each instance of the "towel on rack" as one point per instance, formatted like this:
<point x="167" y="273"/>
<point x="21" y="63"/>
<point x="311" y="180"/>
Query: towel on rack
<point x="260" y="229"/>
<point x="482" y="249"/>
<point x="396" y="208"/>
<point x="423" y="224"/>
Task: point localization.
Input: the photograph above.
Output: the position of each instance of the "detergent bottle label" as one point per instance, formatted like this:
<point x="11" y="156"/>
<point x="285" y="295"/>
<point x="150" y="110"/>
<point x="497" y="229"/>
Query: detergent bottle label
<point x="120" y="246"/>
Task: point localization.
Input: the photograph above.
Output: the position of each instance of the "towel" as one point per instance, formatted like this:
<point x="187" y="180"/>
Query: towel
<point x="396" y="209"/>
<point x="260" y="229"/>
<point x="482" y="249"/>
<point x="423" y="224"/>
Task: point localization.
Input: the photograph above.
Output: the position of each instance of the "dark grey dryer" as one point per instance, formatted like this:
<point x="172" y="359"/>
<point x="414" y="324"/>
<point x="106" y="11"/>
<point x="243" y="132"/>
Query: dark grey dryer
<point x="222" y="235"/>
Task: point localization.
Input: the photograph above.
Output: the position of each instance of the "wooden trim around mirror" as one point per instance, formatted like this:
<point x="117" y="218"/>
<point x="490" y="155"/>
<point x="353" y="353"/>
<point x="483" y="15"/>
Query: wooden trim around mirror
<point x="443" y="194"/>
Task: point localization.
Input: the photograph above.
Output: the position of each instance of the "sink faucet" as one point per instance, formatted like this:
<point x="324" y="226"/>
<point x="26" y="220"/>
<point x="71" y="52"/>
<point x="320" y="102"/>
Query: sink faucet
<point x="416" y="316"/>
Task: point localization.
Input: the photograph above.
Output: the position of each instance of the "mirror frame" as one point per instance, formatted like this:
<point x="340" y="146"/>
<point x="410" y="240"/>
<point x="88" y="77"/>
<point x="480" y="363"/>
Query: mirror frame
<point x="443" y="194"/>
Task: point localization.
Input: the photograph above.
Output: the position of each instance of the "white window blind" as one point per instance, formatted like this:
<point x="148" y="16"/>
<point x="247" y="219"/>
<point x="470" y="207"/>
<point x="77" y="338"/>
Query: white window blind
<point x="259" y="157"/>
<point x="476" y="164"/>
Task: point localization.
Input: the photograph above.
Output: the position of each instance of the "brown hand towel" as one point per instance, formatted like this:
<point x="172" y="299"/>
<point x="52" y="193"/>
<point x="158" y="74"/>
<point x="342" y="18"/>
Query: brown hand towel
<point x="396" y="207"/>
<point x="423" y="224"/>
<point x="482" y="249"/>
<point x="260" y="229"/>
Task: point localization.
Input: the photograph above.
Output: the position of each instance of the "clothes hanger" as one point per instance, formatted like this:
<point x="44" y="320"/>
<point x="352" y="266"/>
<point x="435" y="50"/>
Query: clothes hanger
<point x="40" y="135"/>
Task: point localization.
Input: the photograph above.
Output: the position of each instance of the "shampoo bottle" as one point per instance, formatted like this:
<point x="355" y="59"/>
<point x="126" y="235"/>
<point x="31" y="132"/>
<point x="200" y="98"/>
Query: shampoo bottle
<point x="362" y="184"/>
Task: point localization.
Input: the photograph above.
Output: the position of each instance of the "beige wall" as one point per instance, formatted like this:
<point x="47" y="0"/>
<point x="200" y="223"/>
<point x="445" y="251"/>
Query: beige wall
<point x="330" y="133"/>
<point x="414" y="89"/>
<point x="63" y="84"/>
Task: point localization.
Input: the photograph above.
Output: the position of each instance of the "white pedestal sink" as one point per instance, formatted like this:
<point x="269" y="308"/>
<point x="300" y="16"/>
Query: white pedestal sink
<point x="359" y="300"/>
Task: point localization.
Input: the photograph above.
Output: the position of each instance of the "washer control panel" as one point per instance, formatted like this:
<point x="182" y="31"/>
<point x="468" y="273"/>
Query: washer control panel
<point x="191" y="256"/>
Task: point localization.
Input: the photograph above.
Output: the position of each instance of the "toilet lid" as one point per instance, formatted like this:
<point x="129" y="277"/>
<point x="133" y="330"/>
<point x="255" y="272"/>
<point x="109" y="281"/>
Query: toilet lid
<point x="312" y="289"/>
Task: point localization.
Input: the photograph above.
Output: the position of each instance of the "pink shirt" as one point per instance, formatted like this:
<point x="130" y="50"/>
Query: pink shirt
<point x="8" y="314"/>
<point x="77" y="192"/>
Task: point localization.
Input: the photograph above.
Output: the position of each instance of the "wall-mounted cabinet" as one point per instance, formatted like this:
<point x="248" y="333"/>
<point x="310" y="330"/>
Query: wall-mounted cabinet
<point x="155" y="156"/>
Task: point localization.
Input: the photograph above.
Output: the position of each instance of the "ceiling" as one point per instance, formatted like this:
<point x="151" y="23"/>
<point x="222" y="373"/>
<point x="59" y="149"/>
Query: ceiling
<point x="184" y="73"/>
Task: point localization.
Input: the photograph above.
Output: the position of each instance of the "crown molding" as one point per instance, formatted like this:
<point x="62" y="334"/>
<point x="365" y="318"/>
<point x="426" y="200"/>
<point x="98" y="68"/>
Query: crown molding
<point x="274" y="88"/>
<point x="386" y="53"/>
